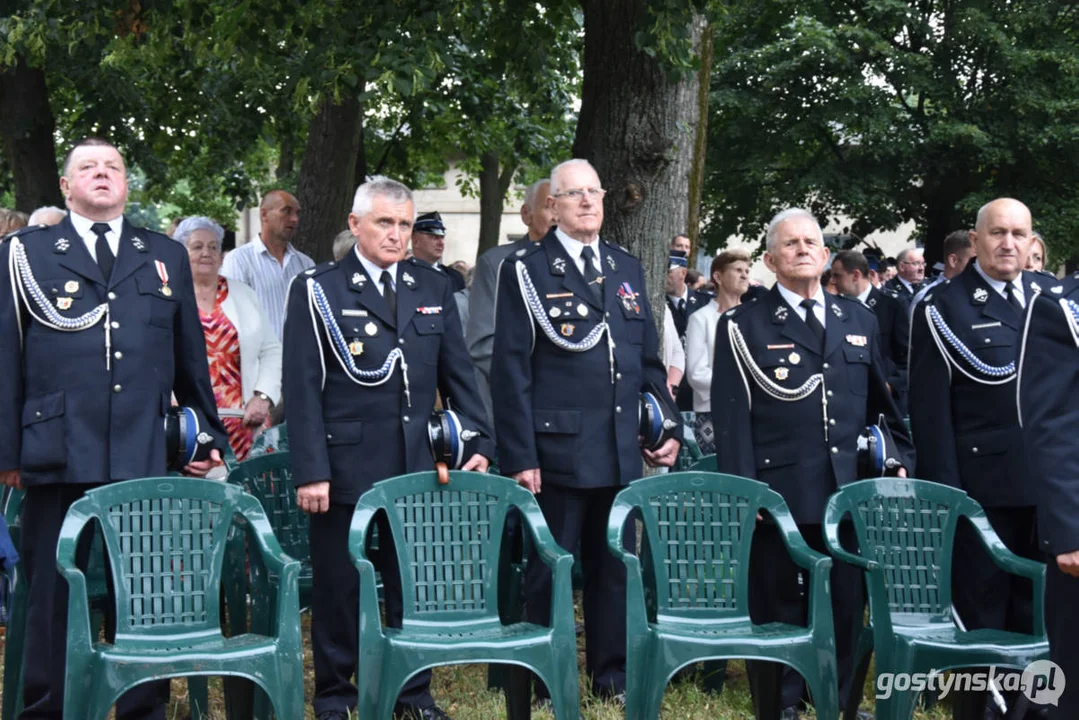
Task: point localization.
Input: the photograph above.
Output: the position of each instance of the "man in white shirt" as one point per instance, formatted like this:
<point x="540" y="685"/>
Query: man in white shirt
<point x="269" y="262"/>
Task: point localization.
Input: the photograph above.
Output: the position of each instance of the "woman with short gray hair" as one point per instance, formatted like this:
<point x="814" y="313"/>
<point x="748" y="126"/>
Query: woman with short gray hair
<point x="241" y="347"/>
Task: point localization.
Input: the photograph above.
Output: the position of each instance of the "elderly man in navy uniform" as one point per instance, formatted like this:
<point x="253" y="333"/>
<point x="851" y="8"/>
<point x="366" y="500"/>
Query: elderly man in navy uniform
<point x="575" y="345"/>
<point x="368" y="342"/>
<point x="796" y="378"/>
<point x="964" y="343"/>
<point x="98" y="328"/>
<point x="1048" y="385"/>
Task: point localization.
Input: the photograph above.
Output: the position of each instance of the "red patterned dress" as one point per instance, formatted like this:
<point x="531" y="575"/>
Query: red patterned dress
<point x="223" y="354"/>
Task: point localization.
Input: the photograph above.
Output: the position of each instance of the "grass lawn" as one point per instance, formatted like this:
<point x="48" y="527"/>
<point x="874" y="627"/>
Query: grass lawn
<point x="462" y="692"/>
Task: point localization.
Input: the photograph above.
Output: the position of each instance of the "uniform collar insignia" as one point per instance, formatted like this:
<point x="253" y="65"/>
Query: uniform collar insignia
<point x="61" y="246"/>
<point x="407" y="279"/>
<point x="1035" y="287"/>
<point x="610" y="262"/>
<point x="139" y="244"/>
<point x="1057" y="289"/>
<point x="980" y="296"/>
<point x="559" y="265"/>
<point x="359" y="279"/>
<point x="837" y="310"/>
<point x="781" y="313"/>
<point x="692" y="299"/>
<point x="871" y="302"/>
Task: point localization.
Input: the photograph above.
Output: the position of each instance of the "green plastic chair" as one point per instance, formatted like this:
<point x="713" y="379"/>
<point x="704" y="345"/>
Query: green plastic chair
<point x="166" y="540"/>
<point x="14" y="639"/>
<point x="690" y="452"/>
<point x="906" y="533"/>
<point x="447" y="540"/>
<point x="269" y="479"/>
<point x="271" y="440"/>
<point x="687" y="592"/>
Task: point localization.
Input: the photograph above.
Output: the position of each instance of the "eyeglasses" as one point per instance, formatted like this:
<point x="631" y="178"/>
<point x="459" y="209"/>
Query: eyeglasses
<point x="913" y="264"/>
<point x="577" y="194"/>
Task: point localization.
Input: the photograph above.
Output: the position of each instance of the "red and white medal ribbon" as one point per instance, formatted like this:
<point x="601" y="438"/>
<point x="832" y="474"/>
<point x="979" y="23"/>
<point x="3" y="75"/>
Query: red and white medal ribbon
<point x="163" y="273"/>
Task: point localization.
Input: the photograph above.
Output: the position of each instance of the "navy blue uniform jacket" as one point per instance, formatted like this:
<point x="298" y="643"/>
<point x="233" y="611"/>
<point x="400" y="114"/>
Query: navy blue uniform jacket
<point x="894" y="343"/>
<point x="570" y="413"/>
<point x="783" y="442"/>
<point x="354" y="435"/>
<point x="64" y="417"/>
<point x="1048" y="388"/>
<point x="962" y="402"/>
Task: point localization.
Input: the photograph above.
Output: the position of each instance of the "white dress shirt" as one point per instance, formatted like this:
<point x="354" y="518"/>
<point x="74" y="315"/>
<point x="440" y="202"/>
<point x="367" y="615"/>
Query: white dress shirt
<point x="375" y="272"/>
<point x="253" y="265"/>
<point x="795" y="300"/>
<point x="82" y="226"/>
<point x="864" y="297"/>
<point x="1002" y="287"/>
<point x="574" y="247"/>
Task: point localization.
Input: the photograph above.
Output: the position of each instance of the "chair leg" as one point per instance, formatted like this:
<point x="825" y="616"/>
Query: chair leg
<point x="898" y="706"/>
<point x="518" y="688"/>
<point x="857" y="686"/>
<point x="564" y="693"/>
<point x="824" y="693"/>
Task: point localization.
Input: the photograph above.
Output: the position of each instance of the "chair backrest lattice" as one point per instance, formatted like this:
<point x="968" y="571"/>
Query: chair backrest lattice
<point x="698" y="528"/>
<point x="447" y="537"/>
<point x="911" y="538"/>
<point x="269" y="479"/>
<point x="165" y="539"/>
<point x="908" y="527"/>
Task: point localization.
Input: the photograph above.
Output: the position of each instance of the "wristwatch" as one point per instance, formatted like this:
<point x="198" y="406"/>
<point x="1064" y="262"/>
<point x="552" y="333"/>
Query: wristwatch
<point x="263" y="396"/>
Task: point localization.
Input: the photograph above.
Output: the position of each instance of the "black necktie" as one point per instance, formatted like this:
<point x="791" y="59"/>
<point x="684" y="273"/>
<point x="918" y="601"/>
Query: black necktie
<point x="388" y="293"/>
<point x="1013" y="300"/>
<point x="681" y="305"/>
<point x="812" y="321"/>
<point x="105" y="257"/>
<point x="591" y="275"/>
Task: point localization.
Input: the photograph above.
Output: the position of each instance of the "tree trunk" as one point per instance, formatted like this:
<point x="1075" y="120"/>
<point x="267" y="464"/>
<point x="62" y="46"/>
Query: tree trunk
<point x="286" y="159"/>
<point x="27" y="126"/>
<point x="494" y="183"/>
<point x="637" y="126"/>
<point x="941" y="217"/>
<point x="327" y="176"/>
<point x="700" y="145"/>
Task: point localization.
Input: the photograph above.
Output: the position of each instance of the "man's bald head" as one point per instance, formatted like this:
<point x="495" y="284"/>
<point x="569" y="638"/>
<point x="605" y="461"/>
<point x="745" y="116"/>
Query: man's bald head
<point x="279" y="213"/>
<point x="1003" y="205"/>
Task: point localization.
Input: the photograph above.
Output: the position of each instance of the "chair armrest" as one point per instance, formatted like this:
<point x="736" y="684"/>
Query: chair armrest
<point x="78" y="607"/>
<point x="370" y="627"/>
<point x="548" y="550"/>
<point x="1004" y="558"/>
<point x="616" y="520"/>
<point x="636" y="603"/>
<point x="287" y="596"/>
<point x="800" y="552"/>
<point x="561" y="564"/>
<point x="1008" y="561"/>
<point x="831" y="540"/>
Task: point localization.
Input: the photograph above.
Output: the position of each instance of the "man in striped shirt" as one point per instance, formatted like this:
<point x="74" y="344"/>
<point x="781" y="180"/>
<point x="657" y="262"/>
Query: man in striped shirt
<point x="269" y="262"/>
